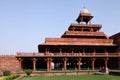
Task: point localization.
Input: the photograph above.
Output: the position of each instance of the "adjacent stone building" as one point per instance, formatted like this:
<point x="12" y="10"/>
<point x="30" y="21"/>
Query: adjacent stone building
<point x="82" y="46"/>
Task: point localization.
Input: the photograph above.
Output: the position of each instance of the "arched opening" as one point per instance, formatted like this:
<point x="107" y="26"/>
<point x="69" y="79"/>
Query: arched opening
<point x="27" y="64"/>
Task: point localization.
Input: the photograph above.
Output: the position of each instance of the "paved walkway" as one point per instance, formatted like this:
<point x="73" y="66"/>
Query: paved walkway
<point x="1" y="77"/>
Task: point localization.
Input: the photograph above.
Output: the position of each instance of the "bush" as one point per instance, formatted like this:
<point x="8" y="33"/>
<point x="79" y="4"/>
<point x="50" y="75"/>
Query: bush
<point x="11" y="77"/>
<point x="14" y="76"/>
<point x="6" y="73"/>
<point x="28" y="72"/>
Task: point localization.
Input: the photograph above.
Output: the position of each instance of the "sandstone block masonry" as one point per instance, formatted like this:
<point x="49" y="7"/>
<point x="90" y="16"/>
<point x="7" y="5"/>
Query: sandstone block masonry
<point x="8" y="62"/>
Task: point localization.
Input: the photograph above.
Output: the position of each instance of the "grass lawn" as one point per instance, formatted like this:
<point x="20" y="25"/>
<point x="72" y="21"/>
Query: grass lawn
<point x="73" y="77"/>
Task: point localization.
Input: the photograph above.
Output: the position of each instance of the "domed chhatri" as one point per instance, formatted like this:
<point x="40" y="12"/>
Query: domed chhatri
<point x="84" y="16"/>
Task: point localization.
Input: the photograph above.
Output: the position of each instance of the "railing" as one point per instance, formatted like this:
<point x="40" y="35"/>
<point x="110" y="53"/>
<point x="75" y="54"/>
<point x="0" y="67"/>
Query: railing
<point x="68" y="54"/>
<point x="86" y="25"/>
<point x="29" y="54"/>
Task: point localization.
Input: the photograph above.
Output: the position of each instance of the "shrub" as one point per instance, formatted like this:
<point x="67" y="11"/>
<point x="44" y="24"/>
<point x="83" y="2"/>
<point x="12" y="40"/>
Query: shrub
<point x="28" y="72"/>
<point x="11" y="77"/>
<point x="6" y="73"/>
<point x="14" y="76"/>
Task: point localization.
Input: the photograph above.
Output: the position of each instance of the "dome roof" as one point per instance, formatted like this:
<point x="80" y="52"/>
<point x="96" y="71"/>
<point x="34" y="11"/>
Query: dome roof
<point x="84" y="16"/>
<point x="84" y="11"/>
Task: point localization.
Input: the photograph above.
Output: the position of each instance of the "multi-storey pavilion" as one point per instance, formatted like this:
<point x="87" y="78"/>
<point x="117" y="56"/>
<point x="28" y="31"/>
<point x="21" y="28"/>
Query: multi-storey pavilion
<point x="82" y="46"/>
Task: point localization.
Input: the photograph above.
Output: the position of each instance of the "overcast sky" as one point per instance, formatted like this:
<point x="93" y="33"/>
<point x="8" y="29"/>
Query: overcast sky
<point x="26" y="23"/>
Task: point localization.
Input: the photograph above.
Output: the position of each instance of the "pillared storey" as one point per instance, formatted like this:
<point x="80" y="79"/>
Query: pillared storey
<point x="82" y="46"/>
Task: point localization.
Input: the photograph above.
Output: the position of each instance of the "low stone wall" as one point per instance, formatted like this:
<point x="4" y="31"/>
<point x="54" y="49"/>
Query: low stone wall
<point x="55" y="73"/>
<point x="8" y="62"/>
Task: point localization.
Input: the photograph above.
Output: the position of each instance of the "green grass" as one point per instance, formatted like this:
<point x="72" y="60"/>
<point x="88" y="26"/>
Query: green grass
<point x="73" y="77"/>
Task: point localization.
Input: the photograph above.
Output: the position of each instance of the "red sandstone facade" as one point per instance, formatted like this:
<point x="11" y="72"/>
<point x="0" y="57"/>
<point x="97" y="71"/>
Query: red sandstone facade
<point x="9" y="62"/>
<point x="82" y="46"/>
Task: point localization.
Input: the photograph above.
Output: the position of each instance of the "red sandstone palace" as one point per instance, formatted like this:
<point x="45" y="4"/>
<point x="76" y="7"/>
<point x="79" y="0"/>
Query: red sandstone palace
<point x="82" y="46"/>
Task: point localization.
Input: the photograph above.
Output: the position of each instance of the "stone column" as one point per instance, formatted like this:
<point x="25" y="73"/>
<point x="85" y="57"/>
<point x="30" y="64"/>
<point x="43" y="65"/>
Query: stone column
<point x="93" y="60"/>
<point x="47" y="60"/>
<point x="50" y="64"/>
<point x="65" y="63"/>
<point x="106" y="52"/>
<point x="60" y="51"/>
<point x="34" y="64"/>
<point x="73" y="28"/>
<point x="106" y="62"/>
<point x="47" y="51"/>
<point x="106" y="66"/>
<point x="83" y="51"/>
<point x="20" y="63"/>
<point x="79" y="63"/>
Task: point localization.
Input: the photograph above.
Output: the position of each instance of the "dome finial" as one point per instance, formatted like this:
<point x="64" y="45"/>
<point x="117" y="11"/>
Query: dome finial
<point x="84" y="11"/>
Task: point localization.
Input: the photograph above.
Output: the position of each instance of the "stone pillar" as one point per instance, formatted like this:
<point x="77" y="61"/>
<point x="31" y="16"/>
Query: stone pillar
<point x="47" y="65"/>
<point x="60" y="51"/>
<point x="34" y="64"/>
<point x="73" y="28"/>
<point x="20" y="63"/>
<point x="83" y="51"/>
<point x="46" y="51"/>
<point x="106" y="66"/>
<point x="106" y="52"/>
<point x="65" y="63"/>
<point x="106" y="62"/>
<point x="47" y="60"/>
<point x="79" y="63"/>
<point x="50" y="64"/>
<point x="93" y="65"/>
